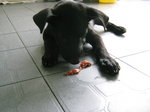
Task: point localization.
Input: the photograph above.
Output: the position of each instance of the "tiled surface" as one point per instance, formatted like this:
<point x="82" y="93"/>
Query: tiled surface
<point x="140" y="62"/>
<point x="31" y="38"/>
<point x="29" y="96"/>
<point x="5" y="24"/>
<point x="10" y="41"/>
<point x="26" y="86"/>
<point x="16" y="65"/>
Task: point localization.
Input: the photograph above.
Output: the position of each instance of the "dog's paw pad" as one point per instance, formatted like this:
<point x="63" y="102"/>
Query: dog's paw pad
<point x="109" y="66"/>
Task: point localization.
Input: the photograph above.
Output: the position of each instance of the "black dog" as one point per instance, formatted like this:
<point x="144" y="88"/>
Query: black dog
<point x="68" y="30"/>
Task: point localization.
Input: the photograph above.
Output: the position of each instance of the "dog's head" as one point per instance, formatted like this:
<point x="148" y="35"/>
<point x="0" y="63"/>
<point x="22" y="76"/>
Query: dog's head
<point x="69" y="24"/>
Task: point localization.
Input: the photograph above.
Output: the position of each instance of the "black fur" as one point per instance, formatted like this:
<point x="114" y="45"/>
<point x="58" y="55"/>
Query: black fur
<point x="68" y="30"/>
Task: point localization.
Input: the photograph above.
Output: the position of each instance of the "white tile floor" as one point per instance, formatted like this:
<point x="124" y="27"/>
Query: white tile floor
<point x="26" y="86"/>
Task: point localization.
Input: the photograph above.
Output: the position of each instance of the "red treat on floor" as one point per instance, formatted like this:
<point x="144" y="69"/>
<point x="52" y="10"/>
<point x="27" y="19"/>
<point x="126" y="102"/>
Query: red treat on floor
<point x="85" y="64"/>
<point x="72" y="72"/>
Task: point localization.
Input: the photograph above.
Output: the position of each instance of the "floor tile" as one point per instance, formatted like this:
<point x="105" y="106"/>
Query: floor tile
<point x="16" y="65"/>
<point x="73" y="96"/>
<point x="128" y="45"/>
<point x="90" y="75"/>
<point x="10" y="41"/>
<point x="20" y="16"/>
<point x="146" y="93"/>
<point x="17" y="10"/>
<point x="31" y="38"/>
<point x="100" y="111"/>
<point x="110" y="88"/>
<point x="139" y="61"/>
<point x="36" y="7"/>
<point x="6" y="26"/>
<point x="127" y="80"/>
<point x="133" y="78"/>
<point x="2" y="13"/>
<point x="129" y="102"/>
<point x="37" y="53"/>
<point x="28" y="96"/>
<point x="23" y="24"/>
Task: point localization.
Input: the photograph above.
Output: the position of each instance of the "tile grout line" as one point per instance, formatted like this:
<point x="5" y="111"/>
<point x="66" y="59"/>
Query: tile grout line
<point x="20" y="81"/>
<point x="19" y="48"/>
<point x="7" y="33"/>
<point x="42" y="76"/>
<point x="11" y="49"/>
<point x="119" y="58"/>
<point x="133" y="67"/>
<point x="17" y="31"/>
<point x="29" y="8"/>
<point x="27" y="79"/>
<point x="148" y="50"/>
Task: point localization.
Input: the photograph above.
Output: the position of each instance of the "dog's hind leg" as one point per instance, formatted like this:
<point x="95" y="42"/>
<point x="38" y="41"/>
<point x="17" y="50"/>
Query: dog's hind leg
<point x="118" y="30"/>
<point x="107" y="64"/>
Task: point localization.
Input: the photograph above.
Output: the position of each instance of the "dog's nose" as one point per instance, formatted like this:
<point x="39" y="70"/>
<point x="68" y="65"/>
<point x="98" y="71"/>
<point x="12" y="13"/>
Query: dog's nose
<point x="74" y="61"/>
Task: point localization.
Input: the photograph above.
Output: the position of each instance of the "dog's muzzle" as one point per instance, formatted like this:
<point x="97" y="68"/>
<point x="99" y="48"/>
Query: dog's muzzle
<point x="73" y="60"/>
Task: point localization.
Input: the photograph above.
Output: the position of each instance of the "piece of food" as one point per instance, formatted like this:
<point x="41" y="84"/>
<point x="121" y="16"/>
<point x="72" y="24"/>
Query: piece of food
<point x="72" y="72"/>
<point x="85" y="64"/>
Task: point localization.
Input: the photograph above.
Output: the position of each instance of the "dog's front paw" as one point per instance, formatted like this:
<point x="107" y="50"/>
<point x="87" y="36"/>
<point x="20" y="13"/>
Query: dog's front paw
<point x="109" y="66"/>
<point x="48" y="61"/>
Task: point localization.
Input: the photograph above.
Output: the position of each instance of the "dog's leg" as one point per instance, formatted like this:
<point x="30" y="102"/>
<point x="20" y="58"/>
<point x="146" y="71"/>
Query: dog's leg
<point x="50" y="56"/>
<point x="107" y="64"/>
<point x="118" y="30"/>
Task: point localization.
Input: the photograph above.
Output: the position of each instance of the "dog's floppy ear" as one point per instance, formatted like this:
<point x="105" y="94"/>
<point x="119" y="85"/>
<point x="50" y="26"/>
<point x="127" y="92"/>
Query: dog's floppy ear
<point x="41" y="18"/>
<point x="98" y="16"/>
